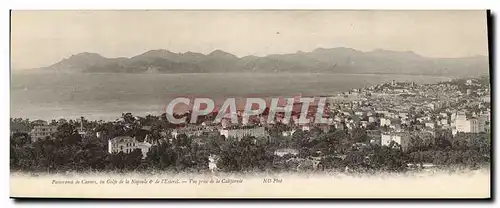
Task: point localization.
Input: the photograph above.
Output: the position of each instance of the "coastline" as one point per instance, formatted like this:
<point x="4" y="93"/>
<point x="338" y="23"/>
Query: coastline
<point x="234" y="73"/>
<point x="154" y="107"/>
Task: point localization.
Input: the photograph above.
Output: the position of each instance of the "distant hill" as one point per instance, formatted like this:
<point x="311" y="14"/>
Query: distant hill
<point x="321" y="60"/>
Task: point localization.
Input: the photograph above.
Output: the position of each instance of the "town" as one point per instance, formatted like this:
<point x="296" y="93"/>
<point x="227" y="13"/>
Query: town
<point x="395" y="126"/>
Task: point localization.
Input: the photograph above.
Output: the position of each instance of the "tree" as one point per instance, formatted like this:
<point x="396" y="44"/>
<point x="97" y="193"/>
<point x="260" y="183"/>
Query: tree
<point x="67" y="134"/>
<point x="133" y="159"/>
<point x="20" y="139"/>
<point x="359" y="135"/>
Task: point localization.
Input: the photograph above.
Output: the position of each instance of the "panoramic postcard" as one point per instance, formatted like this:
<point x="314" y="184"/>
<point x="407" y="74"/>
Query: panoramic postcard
<point x="250" y="104"/>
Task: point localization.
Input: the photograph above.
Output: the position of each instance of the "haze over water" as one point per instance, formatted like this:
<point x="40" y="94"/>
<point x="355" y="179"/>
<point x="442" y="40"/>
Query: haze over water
<point x="105" y="96"/>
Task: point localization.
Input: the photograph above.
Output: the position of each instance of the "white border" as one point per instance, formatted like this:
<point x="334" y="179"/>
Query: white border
<point x="254" y="4"/>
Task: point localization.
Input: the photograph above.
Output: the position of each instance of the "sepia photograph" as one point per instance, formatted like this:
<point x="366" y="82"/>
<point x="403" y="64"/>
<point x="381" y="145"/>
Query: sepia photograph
<point x="339" y="104"/>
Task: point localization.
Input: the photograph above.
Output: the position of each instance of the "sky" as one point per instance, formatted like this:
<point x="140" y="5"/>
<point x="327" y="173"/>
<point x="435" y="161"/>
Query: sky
<point x="42" y="38"/>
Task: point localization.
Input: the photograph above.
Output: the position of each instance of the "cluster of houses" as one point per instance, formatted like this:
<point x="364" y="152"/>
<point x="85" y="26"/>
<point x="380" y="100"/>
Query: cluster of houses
<point x="127" y="144"/>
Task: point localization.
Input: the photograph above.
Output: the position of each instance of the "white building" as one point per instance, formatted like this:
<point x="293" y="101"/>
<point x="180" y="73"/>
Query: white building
<point x="244" y="131"/>
<point x="432" y="106"/>
<point x="453" y="117"/>
<point x="212" y="163"/>
<point x="469" y="92"/>
<point x="364" y="124"/>
<point x="444" y="121"/>
<point x="463" y="124"/>
<point x="359" y="113"/>
<point x="127" y="144"/>
<point x="385" y="122"/>
<point x="306" y="128"/>
<point x="382" y="112"/>
<point x="40" y="132"/>
<point x="288" y="133"/>
<point x="401" y="138"/>
<point x="286" y="151"/>
<point x="372" y="119"/>
<point x="403" y="114"/>
<point x="192" y="131"/>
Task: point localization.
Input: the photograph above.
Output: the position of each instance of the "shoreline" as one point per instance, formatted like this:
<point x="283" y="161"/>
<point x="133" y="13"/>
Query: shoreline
<point x="33" y="71"/>
<point x="108" y="116"/>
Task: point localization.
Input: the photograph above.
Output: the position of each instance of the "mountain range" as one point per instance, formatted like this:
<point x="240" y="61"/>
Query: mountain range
<point x="321" y="60"/>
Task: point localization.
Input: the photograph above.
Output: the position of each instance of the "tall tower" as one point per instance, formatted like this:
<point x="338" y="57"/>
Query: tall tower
<point x="81" y="124"/>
